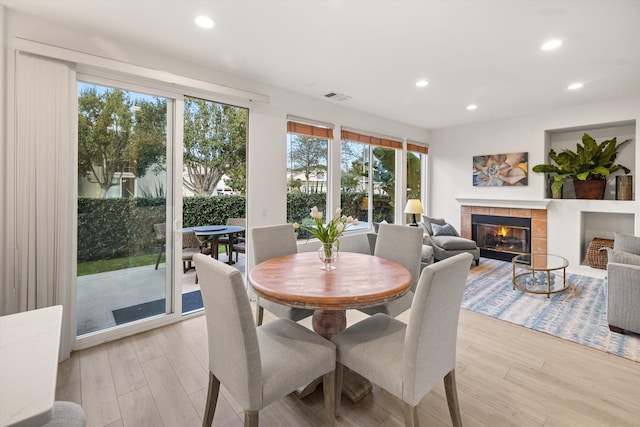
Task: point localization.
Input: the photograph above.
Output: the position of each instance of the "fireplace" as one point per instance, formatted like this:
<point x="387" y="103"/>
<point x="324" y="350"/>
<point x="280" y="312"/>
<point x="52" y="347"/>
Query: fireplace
<point x="501" y="237"/>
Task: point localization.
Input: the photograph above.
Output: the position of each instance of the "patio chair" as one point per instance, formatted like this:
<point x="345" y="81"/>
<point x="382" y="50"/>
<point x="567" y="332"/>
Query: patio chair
<point x="191" y="245"/>
<point x="237" y="244"/>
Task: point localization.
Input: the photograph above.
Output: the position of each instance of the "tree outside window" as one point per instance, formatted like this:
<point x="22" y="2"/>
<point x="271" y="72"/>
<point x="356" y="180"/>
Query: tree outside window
<point x="307" y="172"/>
<point x="121" y="138"/>
<point x="214" y="147"/>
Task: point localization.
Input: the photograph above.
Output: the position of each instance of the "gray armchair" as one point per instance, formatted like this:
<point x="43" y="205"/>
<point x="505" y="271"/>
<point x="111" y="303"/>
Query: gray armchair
<point x="623" y="284"/>
<point x="446" y="240"/>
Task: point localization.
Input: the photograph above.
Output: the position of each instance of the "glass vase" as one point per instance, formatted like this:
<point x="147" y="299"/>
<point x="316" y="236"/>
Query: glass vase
<point x="328" y="252"/>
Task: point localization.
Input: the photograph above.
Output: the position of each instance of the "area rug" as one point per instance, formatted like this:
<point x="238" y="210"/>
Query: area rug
<point x="191" y="301"/>
<point x="578" y="314"/>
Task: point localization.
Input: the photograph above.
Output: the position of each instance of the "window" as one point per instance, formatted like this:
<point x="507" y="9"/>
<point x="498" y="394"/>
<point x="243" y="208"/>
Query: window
<point x="362" y="157"/>
<point x="307" y="167"/>
<point x="214" y="149"/>
<point x="415" y="163"/>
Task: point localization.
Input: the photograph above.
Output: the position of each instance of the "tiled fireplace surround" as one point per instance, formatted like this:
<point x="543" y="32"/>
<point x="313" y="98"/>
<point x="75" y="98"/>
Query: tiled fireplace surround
<point x="538" y="222"/>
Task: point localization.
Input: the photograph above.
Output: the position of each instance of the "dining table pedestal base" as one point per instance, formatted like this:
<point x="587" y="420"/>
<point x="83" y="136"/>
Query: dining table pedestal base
<point x="329" y="323"/>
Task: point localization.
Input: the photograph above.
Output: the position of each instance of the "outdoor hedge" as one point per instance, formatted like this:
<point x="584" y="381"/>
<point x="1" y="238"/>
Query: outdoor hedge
<point x="123" y="227"/>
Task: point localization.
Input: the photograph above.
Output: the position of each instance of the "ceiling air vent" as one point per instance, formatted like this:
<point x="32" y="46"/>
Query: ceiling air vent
<point x="337" y="96"/>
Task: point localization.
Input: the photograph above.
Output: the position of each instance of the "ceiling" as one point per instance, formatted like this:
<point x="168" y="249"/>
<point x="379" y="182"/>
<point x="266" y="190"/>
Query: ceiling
<point x="479" y="52"/>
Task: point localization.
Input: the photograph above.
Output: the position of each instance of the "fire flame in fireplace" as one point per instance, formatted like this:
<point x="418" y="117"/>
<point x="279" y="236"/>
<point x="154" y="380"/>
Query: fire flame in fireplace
<point x="501" y="231"/>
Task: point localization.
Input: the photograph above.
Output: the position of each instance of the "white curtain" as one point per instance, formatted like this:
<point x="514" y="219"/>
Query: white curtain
<point x="44" y="193"/>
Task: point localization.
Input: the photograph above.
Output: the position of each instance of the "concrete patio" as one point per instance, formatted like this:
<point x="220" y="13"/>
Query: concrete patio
<point x="98" y="295"/>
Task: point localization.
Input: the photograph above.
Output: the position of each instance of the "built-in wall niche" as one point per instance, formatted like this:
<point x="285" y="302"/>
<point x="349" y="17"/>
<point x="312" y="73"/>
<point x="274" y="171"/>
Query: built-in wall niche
<point x="560" y="139"/>
<point x="603" y="225"/>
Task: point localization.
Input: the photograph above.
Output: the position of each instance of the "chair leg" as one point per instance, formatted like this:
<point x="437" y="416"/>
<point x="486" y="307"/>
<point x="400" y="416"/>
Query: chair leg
<point x="196" y="278"/>
<point x="616" y="329"/>
<point x="410" y="415"/>
<point x="212" y="400"/>
<point x="338" y="391"/>
<point x="452" y="398"/>
<point x="250" y="418"/>
<point x="329" y="390"/>
<point x="259" y="313"/>
<point x="159" y="255"/>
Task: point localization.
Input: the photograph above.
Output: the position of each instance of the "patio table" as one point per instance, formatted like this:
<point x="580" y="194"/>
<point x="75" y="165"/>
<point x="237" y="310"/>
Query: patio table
<point x="212" y="233"/>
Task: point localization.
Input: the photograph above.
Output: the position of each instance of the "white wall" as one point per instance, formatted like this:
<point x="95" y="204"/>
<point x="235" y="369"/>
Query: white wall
<point x="451" y="151"/>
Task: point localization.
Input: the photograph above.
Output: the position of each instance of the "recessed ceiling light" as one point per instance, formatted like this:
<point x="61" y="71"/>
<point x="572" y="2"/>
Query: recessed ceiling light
<point x="422" y="83"/>
<point x="204" y="21"/>
<point x="574" y="86"/>
<point x="552" y="44"/>
<point x="472" y="107"/>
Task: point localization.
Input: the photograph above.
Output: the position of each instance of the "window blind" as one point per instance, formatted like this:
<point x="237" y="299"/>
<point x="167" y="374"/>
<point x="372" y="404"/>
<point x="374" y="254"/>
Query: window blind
<point x="309" y="130"/>
<point x="417" y="148"/>
<point x="348" y="135"/>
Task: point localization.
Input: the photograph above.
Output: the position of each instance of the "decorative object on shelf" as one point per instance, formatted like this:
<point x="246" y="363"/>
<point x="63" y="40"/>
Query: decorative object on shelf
<point x="328" y="234"/>
<point x="624" y="187"/>
<point x="597" y="253"/>
<point x="413" y="207"/>
<point x="500" y="169"/>
<point x="588" y="166"/>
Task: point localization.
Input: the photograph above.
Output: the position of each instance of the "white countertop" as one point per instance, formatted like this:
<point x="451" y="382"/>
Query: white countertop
<point x="29" y="345"/>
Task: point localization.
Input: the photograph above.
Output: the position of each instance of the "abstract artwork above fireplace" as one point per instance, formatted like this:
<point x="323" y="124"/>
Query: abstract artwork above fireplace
<point x="496" y="170"/>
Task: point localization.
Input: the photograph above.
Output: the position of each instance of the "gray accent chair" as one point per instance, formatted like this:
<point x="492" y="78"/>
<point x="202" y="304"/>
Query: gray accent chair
<point x="623" y="284"/>
<point x="257" y="365"/>
<point x="67" y="414"/>
<point x="407" y="360"/>
<point x="445" y="246"/>
<point x="270" y="242"/>
<point x="401" y="244"/>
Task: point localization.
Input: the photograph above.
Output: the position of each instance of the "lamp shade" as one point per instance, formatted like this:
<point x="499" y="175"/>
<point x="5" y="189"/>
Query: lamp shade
<point x="413" y="207"/>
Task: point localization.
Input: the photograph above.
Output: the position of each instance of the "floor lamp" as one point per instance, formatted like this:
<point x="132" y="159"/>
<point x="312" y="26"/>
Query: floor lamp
<point x="413" y="207"/>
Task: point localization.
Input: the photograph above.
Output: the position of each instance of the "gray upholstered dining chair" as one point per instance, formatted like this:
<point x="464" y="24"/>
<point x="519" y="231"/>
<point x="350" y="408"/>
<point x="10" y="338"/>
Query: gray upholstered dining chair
<point x="401" y="244"/>
<point x="270" y="242"/>
<point x="408" y="359"/>
<point x="257" y="365"/>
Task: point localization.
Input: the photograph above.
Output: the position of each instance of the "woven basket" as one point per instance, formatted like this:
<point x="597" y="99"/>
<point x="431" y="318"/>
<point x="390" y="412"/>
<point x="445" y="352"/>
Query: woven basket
<point x="596" y="254"/>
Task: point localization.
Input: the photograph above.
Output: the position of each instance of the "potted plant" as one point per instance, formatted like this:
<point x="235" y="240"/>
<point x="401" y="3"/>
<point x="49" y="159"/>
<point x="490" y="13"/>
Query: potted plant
<point x="588" y="166"/>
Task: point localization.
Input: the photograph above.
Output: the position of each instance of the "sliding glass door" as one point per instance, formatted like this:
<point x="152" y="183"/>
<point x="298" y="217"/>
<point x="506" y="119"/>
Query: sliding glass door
<point x="124" y="233"/>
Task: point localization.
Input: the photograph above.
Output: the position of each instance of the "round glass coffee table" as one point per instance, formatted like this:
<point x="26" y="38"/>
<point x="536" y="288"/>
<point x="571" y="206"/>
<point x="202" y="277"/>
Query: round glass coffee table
<point x="539" y="274"/>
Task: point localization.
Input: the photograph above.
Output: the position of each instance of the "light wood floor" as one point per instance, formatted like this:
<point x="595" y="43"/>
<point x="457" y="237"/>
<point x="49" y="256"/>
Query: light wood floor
<point x="507" y="375"/>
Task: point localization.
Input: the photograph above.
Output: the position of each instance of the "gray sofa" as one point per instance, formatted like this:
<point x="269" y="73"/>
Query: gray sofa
<point x="623" y="284"/>
<point x="446" y="241"/>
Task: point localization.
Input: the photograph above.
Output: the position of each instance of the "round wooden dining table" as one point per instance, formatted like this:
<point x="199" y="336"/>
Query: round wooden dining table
<point x="358" y="281"/>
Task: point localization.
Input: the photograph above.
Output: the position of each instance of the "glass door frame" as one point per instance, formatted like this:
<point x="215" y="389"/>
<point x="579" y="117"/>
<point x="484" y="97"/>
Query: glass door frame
<point x="173" y="212"/>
